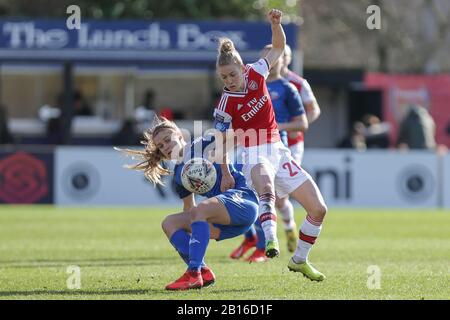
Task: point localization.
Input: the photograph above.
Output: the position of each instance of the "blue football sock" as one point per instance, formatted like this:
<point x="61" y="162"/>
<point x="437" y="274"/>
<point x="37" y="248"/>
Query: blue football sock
<point x="198" y="244"/>
<point x="180" y="241"/>
<point x="261" y="244"/>
<point x="251" y="233"/>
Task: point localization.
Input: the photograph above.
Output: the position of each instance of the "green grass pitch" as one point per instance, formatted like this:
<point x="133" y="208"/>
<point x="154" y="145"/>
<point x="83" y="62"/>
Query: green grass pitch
<point x="123" y="254"/>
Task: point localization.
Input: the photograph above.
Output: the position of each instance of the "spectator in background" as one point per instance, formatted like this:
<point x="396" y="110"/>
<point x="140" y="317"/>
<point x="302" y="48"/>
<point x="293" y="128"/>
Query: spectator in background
<point x="51" y="116"/>
<point x="5" y="135"/>
<point x="81" y="107"/>
<point x="356" y="139"/>
<point x="417" y="129"/>
<point x="146" y="111"/>
<point x="376" y="132"/>
<point x="166" y="112"/>
<point x="126" y="136"/>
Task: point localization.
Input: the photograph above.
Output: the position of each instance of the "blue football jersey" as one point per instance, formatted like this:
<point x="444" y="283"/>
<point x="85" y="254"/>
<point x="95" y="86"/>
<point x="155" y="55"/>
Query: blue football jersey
<point x="286" y="102"/>
<point x="200" y="148"/>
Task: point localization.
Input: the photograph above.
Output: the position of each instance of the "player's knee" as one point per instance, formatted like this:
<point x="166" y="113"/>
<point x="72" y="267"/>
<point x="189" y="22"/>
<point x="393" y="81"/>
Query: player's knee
<point x="267" y="188"/>
<point x="197" y="214"/>
<point x="280" y="203"/>
<point x="166" y="225"/>
<point x="320" y="210"/>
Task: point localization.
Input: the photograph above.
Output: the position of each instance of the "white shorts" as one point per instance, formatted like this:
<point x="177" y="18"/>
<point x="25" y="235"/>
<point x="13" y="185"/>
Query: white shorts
<point x="297" y="151"/>
<point x="286" y="172"/>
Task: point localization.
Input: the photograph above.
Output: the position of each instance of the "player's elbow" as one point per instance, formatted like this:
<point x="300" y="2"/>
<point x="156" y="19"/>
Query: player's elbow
<point x="317" y="111"/>
<point x="303" y="125"/>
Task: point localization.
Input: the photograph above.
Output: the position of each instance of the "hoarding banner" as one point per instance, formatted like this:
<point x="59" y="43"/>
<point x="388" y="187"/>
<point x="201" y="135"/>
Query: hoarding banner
<point x="141" y="40"/>
<point x="95" y="176"/>
<point x="26" y="177"/>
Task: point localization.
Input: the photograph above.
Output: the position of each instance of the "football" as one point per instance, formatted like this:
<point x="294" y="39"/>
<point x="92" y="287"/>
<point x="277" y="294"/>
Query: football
<point x="198" y="175"/>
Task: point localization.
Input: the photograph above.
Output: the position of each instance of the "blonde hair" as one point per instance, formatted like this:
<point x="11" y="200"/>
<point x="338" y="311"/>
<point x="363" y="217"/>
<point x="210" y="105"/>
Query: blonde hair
<point x="151" y="157"/>
<point x="228" y="53"/>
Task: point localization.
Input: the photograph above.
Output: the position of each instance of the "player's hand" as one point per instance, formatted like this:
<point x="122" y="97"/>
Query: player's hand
<point x="227" y="182"/>
<point x="275" y="16"/>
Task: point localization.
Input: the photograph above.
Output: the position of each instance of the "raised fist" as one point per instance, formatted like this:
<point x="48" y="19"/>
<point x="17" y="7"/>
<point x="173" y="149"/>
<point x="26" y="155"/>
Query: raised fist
<point x="275" y="16"/>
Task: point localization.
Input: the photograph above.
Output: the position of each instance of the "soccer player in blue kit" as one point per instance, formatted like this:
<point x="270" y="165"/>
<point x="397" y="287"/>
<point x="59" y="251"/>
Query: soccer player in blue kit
<point x="290" y="116"/>
<point x="221" y="216"/>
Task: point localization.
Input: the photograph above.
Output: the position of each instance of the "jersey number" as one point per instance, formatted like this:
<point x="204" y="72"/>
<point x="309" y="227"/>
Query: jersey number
<point x="288" y="166"/>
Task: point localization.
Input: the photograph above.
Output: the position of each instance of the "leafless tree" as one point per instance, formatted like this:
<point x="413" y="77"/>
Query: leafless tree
<point x="414" y="35"/>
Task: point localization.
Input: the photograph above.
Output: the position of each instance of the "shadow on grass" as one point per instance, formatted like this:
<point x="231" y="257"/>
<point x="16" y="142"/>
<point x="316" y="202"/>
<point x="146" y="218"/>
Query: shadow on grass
<point x="167" y="294"/>
<point x="79" y="292"/>
<point x="101" y="262"/>
<point x="215" y="291"/>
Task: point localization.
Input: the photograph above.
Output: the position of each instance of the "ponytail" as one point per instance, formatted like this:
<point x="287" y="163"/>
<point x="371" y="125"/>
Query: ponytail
<point x="228" y="53"/>
<point x="151" y="157"/>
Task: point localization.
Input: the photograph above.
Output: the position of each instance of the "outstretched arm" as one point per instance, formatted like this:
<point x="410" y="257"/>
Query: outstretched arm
<point x="298" y="123"/>
<point x="278" y="37"/>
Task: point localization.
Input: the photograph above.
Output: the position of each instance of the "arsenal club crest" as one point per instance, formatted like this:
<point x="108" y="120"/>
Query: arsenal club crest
<point x="253" y="85"/>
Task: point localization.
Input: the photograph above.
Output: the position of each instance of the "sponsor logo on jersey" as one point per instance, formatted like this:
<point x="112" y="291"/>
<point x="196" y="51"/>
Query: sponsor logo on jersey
<point x="274" y="95"/>
<point x="255" y="106"/>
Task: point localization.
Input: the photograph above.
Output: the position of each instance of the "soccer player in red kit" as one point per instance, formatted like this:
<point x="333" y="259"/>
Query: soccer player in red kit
<point x="295" y="140"/>
<point x="246" y="107"/>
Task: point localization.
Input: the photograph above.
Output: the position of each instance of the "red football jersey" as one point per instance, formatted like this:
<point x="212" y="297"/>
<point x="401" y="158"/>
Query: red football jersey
<point x="295" y="79"/>
<point x="306" y="94"/>
<point x="250" y="113"/>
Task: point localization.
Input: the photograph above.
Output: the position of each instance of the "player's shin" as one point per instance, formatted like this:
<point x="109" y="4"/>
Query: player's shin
<point x="309" y="231"/>
<point x="268" y="219"/>
<point x="261" y="238"/>
<point x="180" y="241"/>
<point x="287" y="214"/>
<point x="286" y="210"/>
<point x="267" y="216"/>
<point x="197" y="244"/>
<point x="250" y="235"/>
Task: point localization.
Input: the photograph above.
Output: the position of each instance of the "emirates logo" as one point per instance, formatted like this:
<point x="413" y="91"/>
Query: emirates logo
<point x="253" y="85"/>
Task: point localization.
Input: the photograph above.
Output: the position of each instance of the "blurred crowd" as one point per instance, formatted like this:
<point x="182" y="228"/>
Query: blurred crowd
<point x="416" y="130"/>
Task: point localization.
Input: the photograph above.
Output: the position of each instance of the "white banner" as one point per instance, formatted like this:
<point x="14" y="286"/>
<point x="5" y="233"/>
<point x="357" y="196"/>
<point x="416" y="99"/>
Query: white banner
<point x="96" y="176"/>
<point x="375" y="178"/>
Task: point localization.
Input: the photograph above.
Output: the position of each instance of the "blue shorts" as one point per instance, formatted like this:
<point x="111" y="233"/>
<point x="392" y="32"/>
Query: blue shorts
<point x="242" y="206"/>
